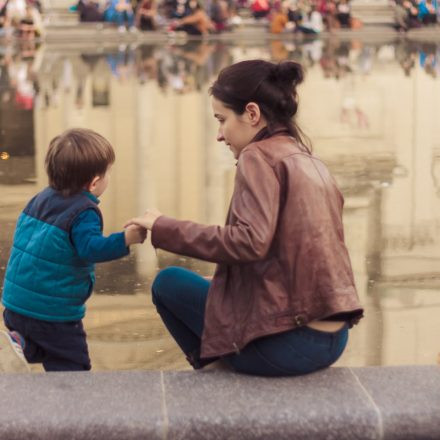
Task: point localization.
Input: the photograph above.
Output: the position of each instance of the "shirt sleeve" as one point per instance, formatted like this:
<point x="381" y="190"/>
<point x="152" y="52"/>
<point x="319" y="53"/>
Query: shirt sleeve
<point x="89" y="242"/>
<point x="254" y="208"/>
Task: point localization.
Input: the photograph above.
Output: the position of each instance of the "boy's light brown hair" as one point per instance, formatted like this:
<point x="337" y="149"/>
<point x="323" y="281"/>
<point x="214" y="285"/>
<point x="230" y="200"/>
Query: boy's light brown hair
<point x="75" y="157"/>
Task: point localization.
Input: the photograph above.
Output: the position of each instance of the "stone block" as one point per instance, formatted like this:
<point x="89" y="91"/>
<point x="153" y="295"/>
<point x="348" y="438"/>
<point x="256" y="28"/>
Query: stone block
<point x="216" y="405"/>
<point x="93" y="406"/>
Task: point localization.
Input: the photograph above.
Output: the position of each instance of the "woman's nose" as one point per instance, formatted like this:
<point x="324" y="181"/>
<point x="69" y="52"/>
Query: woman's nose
<point x="220" y="137"/>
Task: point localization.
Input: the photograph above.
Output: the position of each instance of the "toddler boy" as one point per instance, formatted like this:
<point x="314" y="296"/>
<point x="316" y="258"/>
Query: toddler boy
<point x="50" y="272"/>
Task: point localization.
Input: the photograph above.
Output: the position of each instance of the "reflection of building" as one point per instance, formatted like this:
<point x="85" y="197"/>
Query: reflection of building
<point x="381" y="154"/>
<point x="410" y="212"/>
<point x="388" y="171"/>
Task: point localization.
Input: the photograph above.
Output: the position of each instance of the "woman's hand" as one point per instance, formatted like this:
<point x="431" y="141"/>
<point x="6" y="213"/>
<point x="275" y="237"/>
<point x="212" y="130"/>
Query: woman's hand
<point x="146" y="220"/>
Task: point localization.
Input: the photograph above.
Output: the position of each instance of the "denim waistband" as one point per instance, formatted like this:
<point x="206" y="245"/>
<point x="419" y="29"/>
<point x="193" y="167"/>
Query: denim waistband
<point x="324" y="334"/>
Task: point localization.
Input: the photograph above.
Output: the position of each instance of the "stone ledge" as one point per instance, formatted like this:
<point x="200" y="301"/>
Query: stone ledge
<point x="337" y="403"/>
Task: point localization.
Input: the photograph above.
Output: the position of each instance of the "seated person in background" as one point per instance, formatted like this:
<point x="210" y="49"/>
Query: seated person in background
<point x="260" y="8"/>
<point x="121" y="13"/>
<point x="312" y="22"/>
<point x="400" y="16"/>
<point x="146" y="12"/>
<point x="343" y="13"/>
<point x="327" y="8"/>
<point x="426" y="12"/>
<point x="176" y="9"/>
<point x="413" y="13"/>
<point x="197" y="22"/>
<point x="89" y="11"/>
<point x="31" y="24"/>
<point x="279" y="19"/>
<point x="294" y="13"/>
<point x="220" y="14"/>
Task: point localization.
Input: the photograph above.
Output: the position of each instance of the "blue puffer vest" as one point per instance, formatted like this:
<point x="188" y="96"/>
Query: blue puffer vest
<point x="45" y="278"/>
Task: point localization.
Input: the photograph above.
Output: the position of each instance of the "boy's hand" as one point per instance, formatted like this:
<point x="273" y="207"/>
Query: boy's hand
<point x="135" y="234"/>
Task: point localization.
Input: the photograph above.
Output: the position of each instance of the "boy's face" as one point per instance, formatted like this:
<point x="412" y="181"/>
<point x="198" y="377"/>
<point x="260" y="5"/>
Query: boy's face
<point x="100" y="183"/>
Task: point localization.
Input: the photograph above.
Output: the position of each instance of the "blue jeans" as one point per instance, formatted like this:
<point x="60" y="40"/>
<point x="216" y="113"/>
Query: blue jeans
<point x="180" y="298"/>
<point x="119" y="17"/>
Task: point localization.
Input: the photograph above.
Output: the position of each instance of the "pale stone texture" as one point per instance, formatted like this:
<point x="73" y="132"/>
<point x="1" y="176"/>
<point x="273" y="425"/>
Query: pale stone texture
<point x="408" y="399"/>
<point x="81" y="406"/>
<point x="337" y="403"/>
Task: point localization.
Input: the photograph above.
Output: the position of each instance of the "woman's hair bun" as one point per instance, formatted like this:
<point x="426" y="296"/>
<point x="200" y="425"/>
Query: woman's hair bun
<point x="287" y="73"/>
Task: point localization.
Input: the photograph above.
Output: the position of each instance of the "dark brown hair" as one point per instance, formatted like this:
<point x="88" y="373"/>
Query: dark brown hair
<point x="75" y="157"/>
<point x="271" y="86"/>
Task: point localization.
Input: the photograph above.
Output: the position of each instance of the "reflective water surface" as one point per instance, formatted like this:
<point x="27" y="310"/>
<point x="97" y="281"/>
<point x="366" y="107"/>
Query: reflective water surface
<point x="371" y="110"/>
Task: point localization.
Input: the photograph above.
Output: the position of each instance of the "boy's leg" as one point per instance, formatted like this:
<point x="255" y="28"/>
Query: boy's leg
<point x="66" y="347"/>
<point x="59" y="346"/>
<point x="180" y="298"/>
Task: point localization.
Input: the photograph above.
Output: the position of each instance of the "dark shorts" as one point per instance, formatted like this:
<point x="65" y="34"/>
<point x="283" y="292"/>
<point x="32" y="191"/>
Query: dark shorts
<point x="59" y="346"/>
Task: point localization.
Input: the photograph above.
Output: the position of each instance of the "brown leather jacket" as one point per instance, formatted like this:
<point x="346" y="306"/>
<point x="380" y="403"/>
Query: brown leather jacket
<point x="282" y="261"/>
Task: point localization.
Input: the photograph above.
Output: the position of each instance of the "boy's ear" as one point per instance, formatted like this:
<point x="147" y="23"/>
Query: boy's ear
<point x="92" y="185"/>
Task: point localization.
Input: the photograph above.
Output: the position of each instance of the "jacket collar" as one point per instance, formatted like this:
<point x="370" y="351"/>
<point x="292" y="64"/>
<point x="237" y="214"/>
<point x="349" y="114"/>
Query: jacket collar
<point x="91" y="196"/>
<point x="265" y="133"/>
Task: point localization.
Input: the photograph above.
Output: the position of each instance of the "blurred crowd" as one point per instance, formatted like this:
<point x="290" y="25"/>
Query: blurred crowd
<point x="416" y="13"/>
<point x="147" y="15"/>
<point x="199" y="17"/>
<point x="195" y="18"/>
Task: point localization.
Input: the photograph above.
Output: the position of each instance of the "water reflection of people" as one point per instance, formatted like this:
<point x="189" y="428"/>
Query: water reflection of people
<point x="146" y="63"/>
<point x="187" y="67"/>
<point x="283" y="296"/>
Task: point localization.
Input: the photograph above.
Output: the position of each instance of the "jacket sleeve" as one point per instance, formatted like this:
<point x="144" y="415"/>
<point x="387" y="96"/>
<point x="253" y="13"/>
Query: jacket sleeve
<point x="254" y="210"/>
<point x="91" y="245"/>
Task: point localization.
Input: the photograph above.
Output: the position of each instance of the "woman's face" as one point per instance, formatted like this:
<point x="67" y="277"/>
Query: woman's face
<point x="236" y="131"/>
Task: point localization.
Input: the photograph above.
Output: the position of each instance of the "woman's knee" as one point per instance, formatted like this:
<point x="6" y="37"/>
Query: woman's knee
<point x="165" y="282"/>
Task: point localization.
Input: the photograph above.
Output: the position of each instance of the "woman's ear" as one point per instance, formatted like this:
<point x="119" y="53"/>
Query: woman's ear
<point x="253" y="113"/>
<point x="92" y="185"/>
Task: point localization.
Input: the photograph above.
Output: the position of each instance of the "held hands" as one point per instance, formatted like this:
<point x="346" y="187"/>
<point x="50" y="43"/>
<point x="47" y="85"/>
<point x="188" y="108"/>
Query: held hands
<point x="134" y="234"/>
<point x="146" y="220"/>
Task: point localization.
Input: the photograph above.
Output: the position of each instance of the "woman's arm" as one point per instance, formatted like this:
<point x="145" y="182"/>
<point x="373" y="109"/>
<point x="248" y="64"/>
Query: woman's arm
<point x="254" y="208"/>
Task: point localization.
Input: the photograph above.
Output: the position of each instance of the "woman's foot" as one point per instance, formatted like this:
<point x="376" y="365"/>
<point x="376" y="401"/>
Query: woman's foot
<point x="12" y="359"/>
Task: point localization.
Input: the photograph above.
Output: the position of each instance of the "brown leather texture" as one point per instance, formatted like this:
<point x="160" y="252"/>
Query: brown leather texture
<point x="281" y="257"/>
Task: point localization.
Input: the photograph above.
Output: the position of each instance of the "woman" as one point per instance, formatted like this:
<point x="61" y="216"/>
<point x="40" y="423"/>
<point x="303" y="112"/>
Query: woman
<point x="283" y="295"/>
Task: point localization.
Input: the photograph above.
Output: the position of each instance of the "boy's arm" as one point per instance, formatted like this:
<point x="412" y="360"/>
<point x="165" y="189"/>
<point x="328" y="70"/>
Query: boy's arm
<point x="89" y="242"/>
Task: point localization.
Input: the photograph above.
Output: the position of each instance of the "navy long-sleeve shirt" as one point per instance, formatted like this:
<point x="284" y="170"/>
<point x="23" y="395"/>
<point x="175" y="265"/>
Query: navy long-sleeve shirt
<point x="89" y="241"/>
